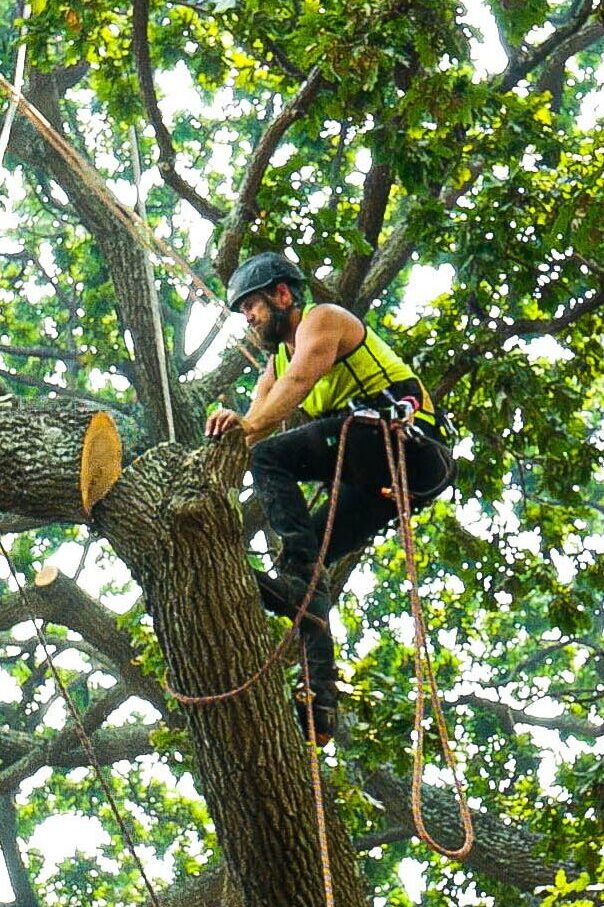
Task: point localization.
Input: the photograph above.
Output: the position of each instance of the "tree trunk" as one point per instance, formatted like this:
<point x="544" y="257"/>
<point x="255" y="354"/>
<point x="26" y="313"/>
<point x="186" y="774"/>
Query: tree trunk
<point x="174" y="518"/>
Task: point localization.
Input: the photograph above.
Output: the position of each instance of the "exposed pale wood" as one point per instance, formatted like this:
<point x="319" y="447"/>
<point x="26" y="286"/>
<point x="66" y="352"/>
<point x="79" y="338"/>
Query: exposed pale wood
<point x="46" y="577"/>
<point x="101" y="463"/>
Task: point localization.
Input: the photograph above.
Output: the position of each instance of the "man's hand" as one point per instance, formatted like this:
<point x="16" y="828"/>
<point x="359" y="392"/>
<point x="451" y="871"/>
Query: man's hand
<point x="220" y="421"/>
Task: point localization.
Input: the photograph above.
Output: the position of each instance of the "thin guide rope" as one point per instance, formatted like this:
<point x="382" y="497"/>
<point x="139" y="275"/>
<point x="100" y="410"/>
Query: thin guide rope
<point x="315" y="775"/>
<point x="136" y="226"/>
<point x="158" y="330"/>
<point x="80" y="729"/>
<point x="17" y="86"/>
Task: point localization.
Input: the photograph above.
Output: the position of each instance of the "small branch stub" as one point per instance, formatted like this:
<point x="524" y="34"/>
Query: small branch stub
<point x="46" y="577"/>
<point x="101" y="463"/>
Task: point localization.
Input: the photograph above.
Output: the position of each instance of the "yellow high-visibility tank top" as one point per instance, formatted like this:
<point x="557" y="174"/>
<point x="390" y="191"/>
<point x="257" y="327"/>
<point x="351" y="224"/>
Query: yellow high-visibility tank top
<point x="371" y="367"/>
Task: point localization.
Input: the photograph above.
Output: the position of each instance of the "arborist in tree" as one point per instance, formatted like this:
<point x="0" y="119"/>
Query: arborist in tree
<point x="327" y="361"/>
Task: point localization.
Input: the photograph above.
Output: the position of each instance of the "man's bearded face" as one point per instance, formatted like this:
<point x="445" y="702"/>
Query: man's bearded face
<point x="271" y="324"/>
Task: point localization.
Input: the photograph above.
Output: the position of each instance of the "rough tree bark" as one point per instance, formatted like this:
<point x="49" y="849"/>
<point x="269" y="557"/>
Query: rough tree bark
<point x="172" y="520"/>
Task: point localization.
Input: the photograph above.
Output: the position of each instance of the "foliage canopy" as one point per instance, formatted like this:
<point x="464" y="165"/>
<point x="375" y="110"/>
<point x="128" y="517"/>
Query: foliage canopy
<point x="401" y="155"/>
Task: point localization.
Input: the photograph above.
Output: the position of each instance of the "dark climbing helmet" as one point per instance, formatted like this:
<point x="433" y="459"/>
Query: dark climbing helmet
<point x="259" y="272"/>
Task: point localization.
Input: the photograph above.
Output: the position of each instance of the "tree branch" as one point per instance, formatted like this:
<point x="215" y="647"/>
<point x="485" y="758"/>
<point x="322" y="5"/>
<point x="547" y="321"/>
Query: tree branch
<point x="336" y="167"/>
<point x="19" y="879"/>
<point x="110" y="744"/>
<point x="64" y="392"/>
<point x="167" y="152"/>
<point x="369" y="222"/>
<point x="245" y="208"/>
<point x="522" y="327"/>
<point x="500" y="851"/>
<point x="212" y="888"/>
<point x="63" y="602"/>
<point x="68" y="76"/>
<point x="390" y="258"/>
<point x="528" y="58"/>
<point x="50" y="752"/>
<point x="283" y="60"/>
<point x="510" y="715"/>
<point x="13" y="522"/>
<point x="37" y="352"/>
<point x="193" y="358"/>
<point x="553" y="72"/>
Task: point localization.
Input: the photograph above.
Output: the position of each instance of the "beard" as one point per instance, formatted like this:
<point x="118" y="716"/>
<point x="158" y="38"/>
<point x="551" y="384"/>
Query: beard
<point x="275" y="330"/>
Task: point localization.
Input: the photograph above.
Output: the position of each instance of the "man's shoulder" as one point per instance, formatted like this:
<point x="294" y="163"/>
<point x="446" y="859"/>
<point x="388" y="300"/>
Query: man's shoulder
<point x="329" y="311"/>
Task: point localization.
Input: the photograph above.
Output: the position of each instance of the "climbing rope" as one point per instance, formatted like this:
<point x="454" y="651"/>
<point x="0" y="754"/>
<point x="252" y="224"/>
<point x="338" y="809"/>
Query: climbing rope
<point x="316" y="778"/>
<point x="80" y="729"/>
<point x="423" y="665"/>
<point x="138" y="228"/>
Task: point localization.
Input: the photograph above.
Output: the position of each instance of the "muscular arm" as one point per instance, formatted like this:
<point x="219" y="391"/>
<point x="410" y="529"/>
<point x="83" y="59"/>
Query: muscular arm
<point x="317" y="341"/>
<point x="263" y="388"/>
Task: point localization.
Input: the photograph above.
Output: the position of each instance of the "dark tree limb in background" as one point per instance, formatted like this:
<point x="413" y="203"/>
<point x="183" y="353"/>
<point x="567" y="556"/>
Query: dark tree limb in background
<point x="528" y="58"/>
<point x="511" y="716"/>
<point x="47" y="752"/>
<point x="63" y="602"/>
<point x="167" y="152"/>
<point x="389" y="259"/>
<point x="336" y="167"/>
<point x="17" y="873"/>
<point x="522" y="327"/>
<point x="193" y="358"/>
<point x="38" y="352"/>
<point x="245" y="208"/>
<point x="369" y="222"/>
<point x="65" y="392"/>
<point x="502" y="852"/>
<point x="283" y="60"/>
<point x="395" y="252"/>
<point x="67" y="77"/>
<point x="213" y="888"/>
<point x="110" y="745"/>
<point x="13" y="522"/>
<point x="551" y="78"/>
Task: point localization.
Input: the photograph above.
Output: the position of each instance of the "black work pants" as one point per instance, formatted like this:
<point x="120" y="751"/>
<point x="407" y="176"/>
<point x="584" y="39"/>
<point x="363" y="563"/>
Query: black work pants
<point x="309" y="454"/>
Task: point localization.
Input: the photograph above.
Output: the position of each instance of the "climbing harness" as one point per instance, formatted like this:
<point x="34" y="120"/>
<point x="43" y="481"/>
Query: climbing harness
<point x="80" y="729"/>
